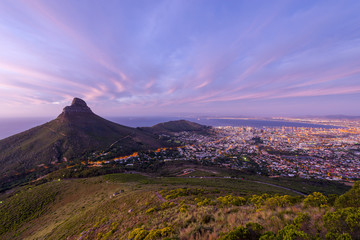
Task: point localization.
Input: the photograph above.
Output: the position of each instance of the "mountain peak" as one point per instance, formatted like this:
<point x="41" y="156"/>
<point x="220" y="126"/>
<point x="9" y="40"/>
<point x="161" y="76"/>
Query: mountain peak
<point x="77" y="106"/>
<point x="78" y="102"/>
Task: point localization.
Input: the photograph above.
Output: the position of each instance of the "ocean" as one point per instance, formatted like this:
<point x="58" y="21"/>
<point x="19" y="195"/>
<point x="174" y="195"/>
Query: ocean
<point x="11" y="126"/>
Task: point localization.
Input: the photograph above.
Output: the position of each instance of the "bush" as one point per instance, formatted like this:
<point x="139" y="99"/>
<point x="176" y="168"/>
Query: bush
<point x="344" y="236"/>
<point x="138" y="234"/>
<point x="232" y="200"/>
<point x="167" y="231"/>
<point x="291" y="232"/>
<point x="315" y="199"/>
<point x="268" y="236"/>
<point x="183" y="192"/>
<point x="346" y="220"/>
<point x="258" y="200"/>
<point x="239" y="233"/>
<point x="167" y="204"/>
<point x="153" y="234"/>
<point x="255" y="230"/>
<point x="350" y="198"/>
<point x="183" y="208"/>
<point x="151" y="210"/>
<point x="301" y="219"/>
<point x="205" y="202"/>
<point x="252" y="231"/>
<point x="207" y="218"/>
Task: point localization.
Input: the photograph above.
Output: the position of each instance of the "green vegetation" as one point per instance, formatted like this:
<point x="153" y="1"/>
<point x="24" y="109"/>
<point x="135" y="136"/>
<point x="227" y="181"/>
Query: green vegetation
<point x="124" y="178"/>
<point x="133" y="206"/>
<point x="315" y="199"/>
<point x="153" y="234"/>
<point x="341" y="221"/>
<point x="26" y="205"/>
<point x="350" y="198"/>
<point x="232" y="200"/>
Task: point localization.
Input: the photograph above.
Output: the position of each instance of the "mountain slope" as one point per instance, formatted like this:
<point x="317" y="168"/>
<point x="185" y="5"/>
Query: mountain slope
<point x="177" y="126"/>
<point x="74" y="132"/>
<point x="115" y="206"/>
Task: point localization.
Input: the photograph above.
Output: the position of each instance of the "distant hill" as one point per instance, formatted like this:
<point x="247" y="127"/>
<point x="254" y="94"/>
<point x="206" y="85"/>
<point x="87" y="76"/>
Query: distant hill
<point x="177" y="126"/>
<point x="332" y="117"/>
<point x="74" y="132"/>
<point x="342" y="117"/>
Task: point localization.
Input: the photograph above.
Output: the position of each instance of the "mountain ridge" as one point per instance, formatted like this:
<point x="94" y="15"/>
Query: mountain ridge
<point x="75" y="132"/>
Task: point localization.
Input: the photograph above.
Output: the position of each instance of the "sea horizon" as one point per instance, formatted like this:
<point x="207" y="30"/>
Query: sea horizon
<point x="15" y="125"/>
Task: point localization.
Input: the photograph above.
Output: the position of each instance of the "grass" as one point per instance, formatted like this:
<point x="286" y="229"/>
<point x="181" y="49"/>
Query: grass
<point x="245" y="186"/>
<point x="88" y="208"/>
<point x="25" y="205"/>
<point x="125" y="178"/>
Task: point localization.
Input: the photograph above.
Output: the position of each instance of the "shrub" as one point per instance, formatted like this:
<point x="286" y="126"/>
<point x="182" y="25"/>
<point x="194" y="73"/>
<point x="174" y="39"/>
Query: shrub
<point x="205" y="202"/>
<point x="151" y="210"/>
<point x="272" y="202"/>
<point x="258" y="200"/>
<point x="315" y="199"/>
<point x="167" y="231"/>
<point x="239" y="233"/>
<point x="153" y="234"/>
<point x="291" y="232"/>
<point x="350" y="198"/>
<point x="207" y="218"/>
<point x="268" y="236"/>
<point x="167" y="204"/>
<point x="345" y="220"/>
<point x="301" y="219"/>
<point x="183" y="208"/>
<point x="344" y="236"/>
<point x="252" y="231"/>
<point x="138" y="234"/>
<point x="255" y="230"/>
<point x="175" y="193"/>
<point x="232" y="200"/>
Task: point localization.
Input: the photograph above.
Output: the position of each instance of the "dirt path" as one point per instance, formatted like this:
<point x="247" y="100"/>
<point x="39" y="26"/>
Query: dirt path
<point x="270" y="184"/>
<point x="118" y="141"/>
<point x="274" y="185"/>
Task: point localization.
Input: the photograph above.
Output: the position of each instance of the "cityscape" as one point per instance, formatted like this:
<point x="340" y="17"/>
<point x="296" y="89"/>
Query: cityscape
<point x="321" y="153"/>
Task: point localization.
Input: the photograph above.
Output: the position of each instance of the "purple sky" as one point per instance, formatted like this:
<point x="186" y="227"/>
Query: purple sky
<point x="174" y="57"/>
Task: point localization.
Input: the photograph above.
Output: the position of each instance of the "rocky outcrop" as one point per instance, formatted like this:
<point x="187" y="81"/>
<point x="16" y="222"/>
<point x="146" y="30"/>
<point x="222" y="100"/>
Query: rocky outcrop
<point x="77" y="106"/>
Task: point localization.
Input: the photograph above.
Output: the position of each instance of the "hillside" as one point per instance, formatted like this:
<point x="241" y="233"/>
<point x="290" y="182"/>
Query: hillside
<point x="132" y="206"/>
<point x="76" y="131"/>
<point x="177" y="126"/>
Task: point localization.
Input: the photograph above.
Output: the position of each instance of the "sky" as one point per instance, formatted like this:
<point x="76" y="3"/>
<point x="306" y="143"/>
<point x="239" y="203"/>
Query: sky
<point x="198" y="57"/>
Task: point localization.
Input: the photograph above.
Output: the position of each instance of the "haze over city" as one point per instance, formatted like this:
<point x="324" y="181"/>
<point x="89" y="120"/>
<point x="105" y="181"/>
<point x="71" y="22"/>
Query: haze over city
<point x="262" y="58"/>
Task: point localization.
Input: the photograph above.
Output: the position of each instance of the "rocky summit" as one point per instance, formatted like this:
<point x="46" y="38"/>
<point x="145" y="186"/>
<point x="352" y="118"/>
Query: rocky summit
<point x="77" y="105"/>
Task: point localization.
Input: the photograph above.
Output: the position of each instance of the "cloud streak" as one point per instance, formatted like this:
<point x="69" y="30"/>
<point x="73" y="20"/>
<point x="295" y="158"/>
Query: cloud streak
<point x="176" y="55"/>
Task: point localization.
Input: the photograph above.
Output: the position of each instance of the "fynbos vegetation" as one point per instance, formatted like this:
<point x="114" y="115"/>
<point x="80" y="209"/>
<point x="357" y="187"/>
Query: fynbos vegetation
<point x="131" y="206"/>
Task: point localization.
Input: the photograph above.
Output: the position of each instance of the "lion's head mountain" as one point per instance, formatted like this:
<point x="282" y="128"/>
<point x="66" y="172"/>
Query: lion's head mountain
<point x="75" y="132"/>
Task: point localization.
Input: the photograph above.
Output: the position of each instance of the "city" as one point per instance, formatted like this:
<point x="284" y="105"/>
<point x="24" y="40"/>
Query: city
<point x="331" y="154"/>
